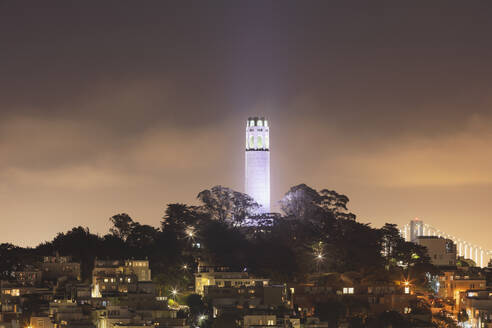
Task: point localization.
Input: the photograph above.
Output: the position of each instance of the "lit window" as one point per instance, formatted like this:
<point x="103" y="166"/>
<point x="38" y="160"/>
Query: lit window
<point x="407" y="290"/>
<point x="105" y="279"/>
<point x="251" y="142"/>
<point x="348" y="290"/>
<point x="252" y="123"/>
<point x="266" y="123"/>
<point x="260" y="142"/>
<point x="260" y="123"/>
<point x="270" y="323"/>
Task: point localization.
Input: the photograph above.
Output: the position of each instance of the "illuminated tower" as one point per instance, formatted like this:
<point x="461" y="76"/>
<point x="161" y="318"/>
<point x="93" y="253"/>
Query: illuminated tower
<point x="257" y="168"/>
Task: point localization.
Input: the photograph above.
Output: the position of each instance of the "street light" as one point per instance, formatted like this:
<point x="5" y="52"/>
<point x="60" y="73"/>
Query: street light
<point x="174" y="293"/>
<point x="319" y="258"/>
<point x="190" y="232"/>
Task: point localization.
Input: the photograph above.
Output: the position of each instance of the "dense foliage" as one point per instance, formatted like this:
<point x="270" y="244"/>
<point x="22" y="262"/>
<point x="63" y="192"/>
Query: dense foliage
<point x="315" y="233"/>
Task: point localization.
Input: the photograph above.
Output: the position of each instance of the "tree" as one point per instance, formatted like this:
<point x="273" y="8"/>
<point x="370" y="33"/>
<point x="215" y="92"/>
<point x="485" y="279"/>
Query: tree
<point x="196" y="305"/>
<point x="141" y="236"/>
<point x="336" y="203"/>
<point x="227" y="205"/>
<point x="391" y="242"/>
<point x="225" y="245"/>
<point x="122" y="225"/>
<point x="179" y="217"/>
<point x="389" y="319"/>
<point x="226" y="320"/>
<point x="81" y="245"/>
<point x="300" y="202"/>
<point x="331" y="310"/>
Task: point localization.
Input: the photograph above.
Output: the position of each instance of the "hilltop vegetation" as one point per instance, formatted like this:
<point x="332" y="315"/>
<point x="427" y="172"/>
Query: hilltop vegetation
<point x="315" y="233"/>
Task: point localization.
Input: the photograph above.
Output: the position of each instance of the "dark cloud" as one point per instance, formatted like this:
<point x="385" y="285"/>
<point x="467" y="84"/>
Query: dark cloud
<point x="110" y="106"/>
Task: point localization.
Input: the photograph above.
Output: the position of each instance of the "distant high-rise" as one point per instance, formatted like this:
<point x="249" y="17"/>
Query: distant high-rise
<point x="416" y="229"/>
<point x="257" y="162"/>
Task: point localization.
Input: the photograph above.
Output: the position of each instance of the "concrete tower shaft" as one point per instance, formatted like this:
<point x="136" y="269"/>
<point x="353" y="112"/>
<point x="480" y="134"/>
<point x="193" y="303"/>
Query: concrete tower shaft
<point x="257" y="162"/>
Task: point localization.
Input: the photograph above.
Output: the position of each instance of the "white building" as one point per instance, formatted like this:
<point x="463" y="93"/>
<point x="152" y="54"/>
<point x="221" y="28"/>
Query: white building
<point x="257" y="162"/>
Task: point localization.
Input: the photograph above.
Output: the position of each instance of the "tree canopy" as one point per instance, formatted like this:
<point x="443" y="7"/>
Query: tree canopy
<point x="316" y="232"/>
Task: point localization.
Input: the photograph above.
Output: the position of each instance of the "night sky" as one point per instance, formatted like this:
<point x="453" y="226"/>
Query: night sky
<point x="126" y="106"/>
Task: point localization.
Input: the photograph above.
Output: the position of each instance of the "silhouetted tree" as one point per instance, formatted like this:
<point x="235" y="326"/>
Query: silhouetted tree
<point x="227" y="205"/>
<point x="336" y="203"/>
<point x="301" y="202"/>
<point x="122" y="225"/>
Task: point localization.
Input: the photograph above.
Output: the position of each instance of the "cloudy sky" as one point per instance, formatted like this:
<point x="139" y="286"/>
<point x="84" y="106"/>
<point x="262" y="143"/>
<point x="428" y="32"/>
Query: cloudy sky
<point x="126" y="106"/>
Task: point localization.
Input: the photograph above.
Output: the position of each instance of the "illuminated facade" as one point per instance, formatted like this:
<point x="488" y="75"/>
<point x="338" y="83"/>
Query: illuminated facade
<point x="257" y="162"/>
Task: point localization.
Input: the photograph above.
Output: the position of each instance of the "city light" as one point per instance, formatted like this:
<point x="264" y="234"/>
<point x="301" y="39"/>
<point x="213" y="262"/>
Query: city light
<point x="190" y="232"/>
<point x="174" y="293"/>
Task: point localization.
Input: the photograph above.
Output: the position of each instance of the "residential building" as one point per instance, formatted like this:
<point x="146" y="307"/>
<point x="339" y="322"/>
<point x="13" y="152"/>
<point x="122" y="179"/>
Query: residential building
<point x="453" y="283"/>
<point x="41" y="322"/>
<point x="54" y="267"/>
<point x="109" y="316"/>
<point x="224" y="299"/>
<point x="259" y="321"/>
<point x="138" y="267"/>
<point x="221" y="277"/>
<point x="478" y="307"/>
<point x="111" y="277"/>
<point x="28" y="277"/>
<point x="441" y="251"/>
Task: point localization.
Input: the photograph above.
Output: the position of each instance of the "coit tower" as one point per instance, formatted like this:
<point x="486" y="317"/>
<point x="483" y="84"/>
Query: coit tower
<point x="257" y="162"/>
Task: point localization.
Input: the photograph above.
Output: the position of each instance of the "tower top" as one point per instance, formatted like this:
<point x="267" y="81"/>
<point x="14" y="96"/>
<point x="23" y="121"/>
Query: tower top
<point x="256" y="121"/>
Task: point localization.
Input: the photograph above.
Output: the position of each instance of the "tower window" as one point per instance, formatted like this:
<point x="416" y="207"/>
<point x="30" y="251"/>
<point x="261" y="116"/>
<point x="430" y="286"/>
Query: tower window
<point x="251" y="123"/>
<point x="260" y="123"/>
<point x="251" y="142"/>
<point x="260" y="142"/>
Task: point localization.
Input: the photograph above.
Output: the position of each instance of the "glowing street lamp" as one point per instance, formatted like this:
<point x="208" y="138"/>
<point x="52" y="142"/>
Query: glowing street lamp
<point x="406" y="286"/>
<point x="319" y="258"/>
<point x="190" y="232"/>
<point x="174" y="293"/>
